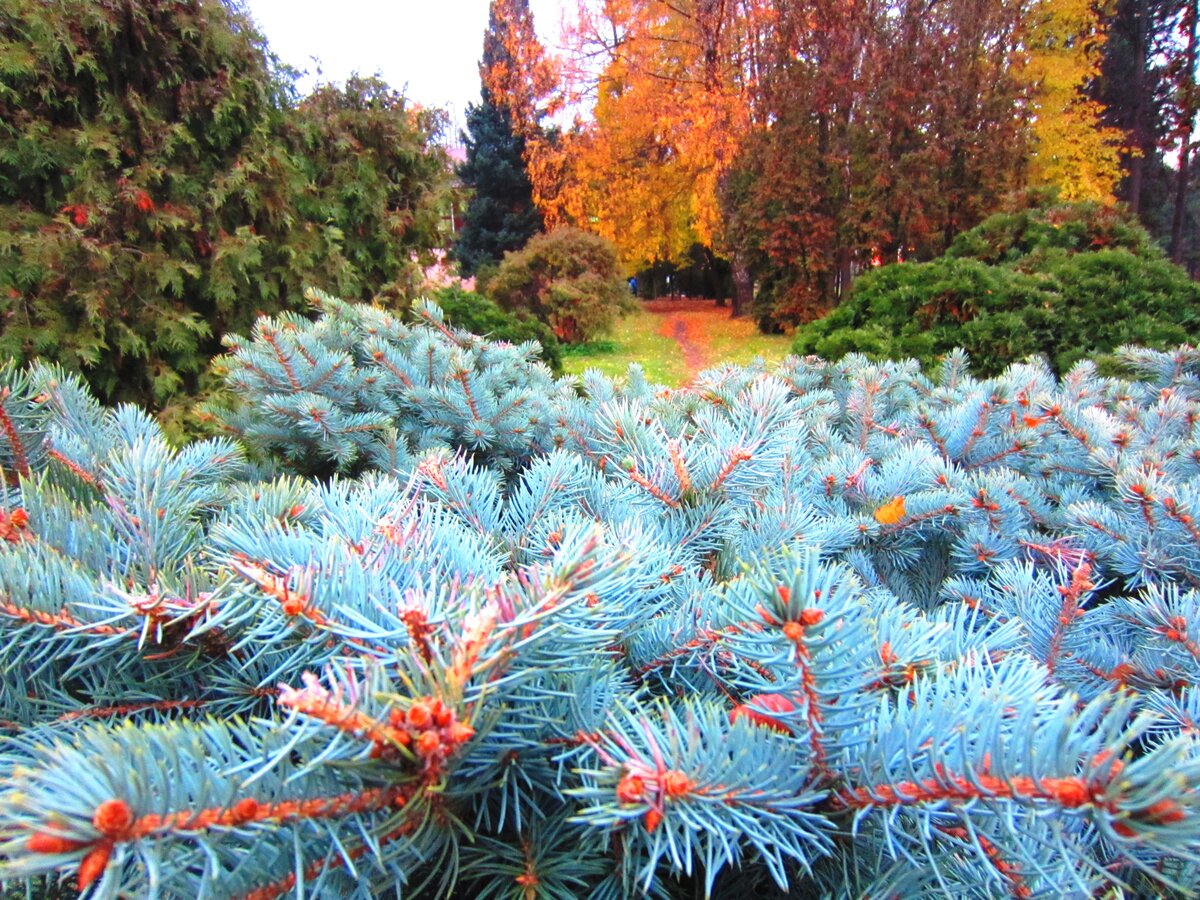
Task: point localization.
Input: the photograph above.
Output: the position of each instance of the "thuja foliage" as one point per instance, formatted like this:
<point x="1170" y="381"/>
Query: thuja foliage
<point x="160" y="186"/>
<point x="1065" y="281"/>
<point x="840" y="628"/>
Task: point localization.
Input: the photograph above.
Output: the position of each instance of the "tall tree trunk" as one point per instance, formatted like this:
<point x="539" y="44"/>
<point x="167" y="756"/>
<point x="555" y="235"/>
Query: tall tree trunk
<point x="845" y="261"/>
<point x="1181" y="195"/>
<point x="1185" y="139"/>
<point x="1137" y="161"/>
<point x="708" y="276"/>
<point x="743" y="286"/>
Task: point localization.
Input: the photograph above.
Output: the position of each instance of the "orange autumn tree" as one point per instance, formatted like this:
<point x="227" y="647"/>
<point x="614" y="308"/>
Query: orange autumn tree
<point x="523" y="80"/>
<point x="882" y="130"/>
<point x="670" y="87"/>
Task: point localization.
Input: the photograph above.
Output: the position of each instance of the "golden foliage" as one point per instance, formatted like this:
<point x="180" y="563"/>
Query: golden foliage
<point x="669" y="111"/>
<point x="1074" y="150"/>
<point x="519" y="76"/>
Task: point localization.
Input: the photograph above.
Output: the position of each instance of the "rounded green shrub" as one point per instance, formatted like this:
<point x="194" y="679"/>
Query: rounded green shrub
<point x="1064" y="282"/>
<point x="568" y="279"/>
<point x="926" y="310"/>
<point x="1071" y="227"/>
<point x="477" y="314"/>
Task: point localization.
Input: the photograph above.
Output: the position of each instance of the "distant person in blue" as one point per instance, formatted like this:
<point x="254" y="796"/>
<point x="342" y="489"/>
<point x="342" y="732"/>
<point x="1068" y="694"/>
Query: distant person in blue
<point x="633" y="285"/>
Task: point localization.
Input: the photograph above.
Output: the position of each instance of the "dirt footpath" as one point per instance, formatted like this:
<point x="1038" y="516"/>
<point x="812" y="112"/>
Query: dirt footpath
<point x="691" y="324"/>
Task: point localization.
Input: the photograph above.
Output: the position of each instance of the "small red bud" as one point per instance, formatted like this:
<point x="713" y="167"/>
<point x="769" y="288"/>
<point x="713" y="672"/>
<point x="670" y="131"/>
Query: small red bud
<point x="774" y="702"/>
<point x="441" y="715"/>
<point x="428" y="743"/>
<point x="811" y="616"/>
<point x="676" y="783"/>
<point x="94" y="864"/>
<point x="1163" y="812"/>
<point x="631" y="789"/>
<point x="113" y="818"/>
<point x="40" y="842"/>
<point x="652" y="820"/>
<point x="419" y="715"/>
<point x="293" y="605"/>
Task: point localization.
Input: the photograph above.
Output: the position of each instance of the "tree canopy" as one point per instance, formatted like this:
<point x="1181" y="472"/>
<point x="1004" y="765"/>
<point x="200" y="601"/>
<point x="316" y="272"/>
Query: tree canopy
<point x="161" y="184"/>
<point x="501" y="215"/>
<point x="806" y="141"/>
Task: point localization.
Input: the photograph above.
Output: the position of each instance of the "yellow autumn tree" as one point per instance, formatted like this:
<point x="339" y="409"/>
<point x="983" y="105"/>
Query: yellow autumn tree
<point x="1073" y="149"/>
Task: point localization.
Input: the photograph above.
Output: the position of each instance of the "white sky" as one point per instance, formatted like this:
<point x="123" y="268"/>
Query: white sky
<point x="428" y="48"/>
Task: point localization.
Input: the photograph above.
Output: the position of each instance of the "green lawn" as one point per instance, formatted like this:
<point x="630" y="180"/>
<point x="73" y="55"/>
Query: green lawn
<point x="636" y="338"/>
<point x="741" y="341"/>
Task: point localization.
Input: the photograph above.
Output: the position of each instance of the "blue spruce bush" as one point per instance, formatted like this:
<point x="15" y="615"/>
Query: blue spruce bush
<point x="429" y="622"/>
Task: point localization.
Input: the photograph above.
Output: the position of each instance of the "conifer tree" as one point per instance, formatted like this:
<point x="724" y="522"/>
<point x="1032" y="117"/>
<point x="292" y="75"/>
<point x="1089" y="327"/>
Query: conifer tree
<point x="1131" y="88"/>
<point x="500" y="216"/>
<point x="514" y="76"/>
<point x="520" y="77"/>
<point x="160" y="185"/>
<point x="1185" y="90"/>
<point x="838" y="629"/>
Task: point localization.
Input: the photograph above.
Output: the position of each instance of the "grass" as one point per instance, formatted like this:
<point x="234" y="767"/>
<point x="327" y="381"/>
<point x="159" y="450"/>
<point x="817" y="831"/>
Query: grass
<point x="739" y="341"/>
<point x="638" y="338"/>
<point x="634" y="339"/>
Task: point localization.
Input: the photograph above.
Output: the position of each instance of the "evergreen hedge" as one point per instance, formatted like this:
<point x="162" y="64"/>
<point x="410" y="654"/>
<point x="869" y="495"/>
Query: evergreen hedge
<point x="1064" y="282"/>
<point x="161" y="185"/>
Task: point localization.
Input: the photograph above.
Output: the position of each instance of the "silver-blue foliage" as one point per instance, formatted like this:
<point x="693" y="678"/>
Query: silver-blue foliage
<point x="427" y="620"/>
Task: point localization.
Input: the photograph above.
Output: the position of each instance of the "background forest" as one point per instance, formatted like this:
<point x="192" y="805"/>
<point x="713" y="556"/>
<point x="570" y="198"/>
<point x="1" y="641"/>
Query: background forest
<point x="805" y="143"/>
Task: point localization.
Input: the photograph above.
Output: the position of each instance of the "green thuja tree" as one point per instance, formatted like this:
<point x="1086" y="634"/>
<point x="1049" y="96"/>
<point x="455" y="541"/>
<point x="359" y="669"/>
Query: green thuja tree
<point x="376" y="182"/>
<point x="158" y="189"/>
